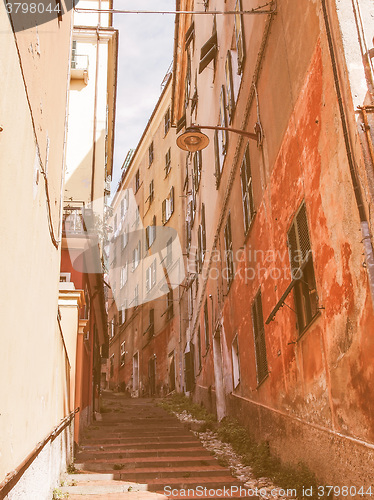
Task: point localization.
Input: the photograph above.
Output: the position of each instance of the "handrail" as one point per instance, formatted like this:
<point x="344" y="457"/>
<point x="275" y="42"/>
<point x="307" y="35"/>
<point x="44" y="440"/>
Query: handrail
<point x="14" y="476"/>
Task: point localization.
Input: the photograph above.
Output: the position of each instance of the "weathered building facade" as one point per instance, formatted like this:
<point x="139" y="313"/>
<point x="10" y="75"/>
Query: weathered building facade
<point x="146" y="265"/>
<point x="50" y="352"/>
<point x="36" y="407"/>
<point x="279" y="230"/>
<point x="89" y="163"/>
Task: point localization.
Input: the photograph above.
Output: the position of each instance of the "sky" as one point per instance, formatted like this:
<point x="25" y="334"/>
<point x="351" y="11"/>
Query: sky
<point x="145" y="54"/>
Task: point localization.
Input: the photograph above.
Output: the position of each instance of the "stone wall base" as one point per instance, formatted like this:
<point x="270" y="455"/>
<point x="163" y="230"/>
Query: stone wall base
<point x="335" y="459"/>
<point x="43" y="475"/>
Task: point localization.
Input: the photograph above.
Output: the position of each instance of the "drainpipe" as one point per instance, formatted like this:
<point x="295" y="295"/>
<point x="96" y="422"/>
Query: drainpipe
<point x="366" y="237"/>
<point x="95" y="115"/>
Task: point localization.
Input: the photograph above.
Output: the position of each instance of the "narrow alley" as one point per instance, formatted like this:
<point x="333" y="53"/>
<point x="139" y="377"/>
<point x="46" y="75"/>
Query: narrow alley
<point x="189" y="191"/>
<point x="138" y="451"/>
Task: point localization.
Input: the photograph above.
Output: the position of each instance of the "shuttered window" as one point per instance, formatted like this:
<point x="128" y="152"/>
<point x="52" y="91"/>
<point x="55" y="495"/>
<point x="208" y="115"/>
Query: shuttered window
<point x="203" y="230"/>
<point x="199" y="348"/>
<point x="206" y="325"/>
<point x="259" y="338"/>
<point x="197" y="167"/>
<point x="247" y="191"/>
<point x="167" y="162"/>
<point x="235" y="362"/>
<point x="224" y="138"/>
<point x="229" y="252"/>
<point x="239" y="36"/>
<point x="301" y="261"/>
<point x="230" y="99"/>
<point x="150" y="154"/>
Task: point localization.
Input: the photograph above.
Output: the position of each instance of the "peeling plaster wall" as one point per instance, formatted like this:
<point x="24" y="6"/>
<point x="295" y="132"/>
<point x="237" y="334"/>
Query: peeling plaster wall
<point x="316" y="404"/>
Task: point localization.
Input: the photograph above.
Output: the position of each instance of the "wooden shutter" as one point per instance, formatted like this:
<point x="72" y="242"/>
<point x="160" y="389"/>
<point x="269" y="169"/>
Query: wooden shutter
<point x="229" y="86"/>
<point x="217" y="159"/>
<point x="190" y="34"/>
<point x="164" y="212"/>
<point x="239" y="36"/>
<point x="208" y="52"/>
<point x="259" y="338"/>
<point x="203" y="226"/>
<point x="172" y="200"/>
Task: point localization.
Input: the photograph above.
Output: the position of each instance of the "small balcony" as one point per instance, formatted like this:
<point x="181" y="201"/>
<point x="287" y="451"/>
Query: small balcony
<point x="79" y="67"/>
<point x="72" y="222"/>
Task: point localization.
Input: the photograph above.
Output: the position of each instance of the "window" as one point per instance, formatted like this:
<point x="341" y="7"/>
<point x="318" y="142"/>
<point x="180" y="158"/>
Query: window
<point x="199" y="348"/>
<point x="150" y="276"/>
<point x="111" y="365"/>
<point x="151" y="192"/>
<point x="223" y="134"/>
<point x="229" y="252"/>
<point x="203" y="231"/>
<point x="247" y="192"/>
<point x="151" y="327"/>
<point x="112" y="328"/>
<point x="167" y="121"/>
<point x="305" y="292"/>
<point x="235" y="362"/>
<point x="125" y="236"/>
<point x="217" y="159"/>
<point x="171" y="360"/>
<point x="123" y="352"/>
<point x="187" y="81"/>
<point x="169" y="253"/>
<point x="122" y="315"/>
<point x="137" y="216"/>
<point x="150" y="233"/>
<point x="115" y="223"/>
<point x="124" y="204"/>
<point x="196" y="172"/>
<point x="169" y="305"/>
<point x="206" y="326"/>
<point x="259" y="338"/>
<point x="124" y="275"/>
<point x="239" y="36"/>
<point x="137" y="181"/>
<point x="168" y="207"/>
<point x="230" y="99"/>
<point x="136" y="296"/>
<point x="150" y="154"/>
<point x="167" y="162"/>
<point x="188" y="235"/>
<point x="136" y="256"/>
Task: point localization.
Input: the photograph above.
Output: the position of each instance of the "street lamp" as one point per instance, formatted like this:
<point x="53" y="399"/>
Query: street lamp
<point x="194" y="140"/>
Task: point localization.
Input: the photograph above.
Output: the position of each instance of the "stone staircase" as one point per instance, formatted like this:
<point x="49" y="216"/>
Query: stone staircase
<point x="138" y="451"/>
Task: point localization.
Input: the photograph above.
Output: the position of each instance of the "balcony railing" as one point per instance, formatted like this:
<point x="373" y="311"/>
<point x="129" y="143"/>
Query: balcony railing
<point x="79" y="61"/>
<point x="73" y="222"/>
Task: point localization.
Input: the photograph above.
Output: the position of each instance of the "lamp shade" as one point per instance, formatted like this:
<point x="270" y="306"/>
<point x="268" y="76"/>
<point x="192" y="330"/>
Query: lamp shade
<point x="192" y="140"/>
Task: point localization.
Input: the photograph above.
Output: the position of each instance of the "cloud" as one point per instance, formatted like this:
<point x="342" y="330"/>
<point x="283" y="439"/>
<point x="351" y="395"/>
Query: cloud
<point x="145" y="54"/>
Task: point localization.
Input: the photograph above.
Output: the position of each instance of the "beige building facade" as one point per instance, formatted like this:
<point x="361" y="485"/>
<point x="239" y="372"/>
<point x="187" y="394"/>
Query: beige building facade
<point x="34" y="363"/>
<point x="147" y="269"/>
